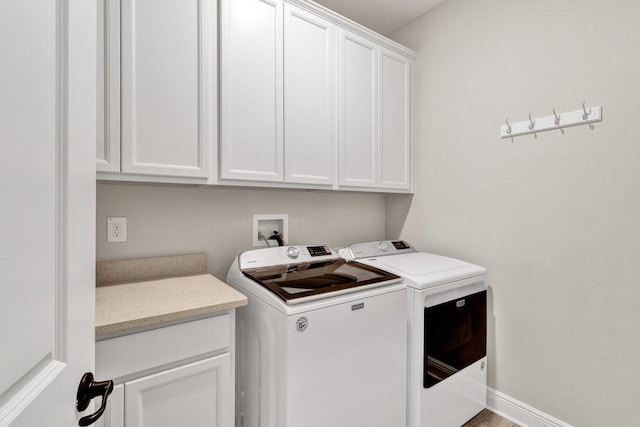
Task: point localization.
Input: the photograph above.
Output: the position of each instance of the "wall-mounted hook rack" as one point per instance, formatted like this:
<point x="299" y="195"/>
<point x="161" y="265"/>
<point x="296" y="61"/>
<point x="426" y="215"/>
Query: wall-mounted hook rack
<point x="583" y="116"/>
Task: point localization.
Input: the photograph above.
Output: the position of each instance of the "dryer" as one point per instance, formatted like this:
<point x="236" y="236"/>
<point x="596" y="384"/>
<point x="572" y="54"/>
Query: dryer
<point x="447" y="328"/>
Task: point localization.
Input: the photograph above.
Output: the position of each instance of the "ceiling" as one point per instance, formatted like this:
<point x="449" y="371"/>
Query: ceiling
<point x="382" y="16"/>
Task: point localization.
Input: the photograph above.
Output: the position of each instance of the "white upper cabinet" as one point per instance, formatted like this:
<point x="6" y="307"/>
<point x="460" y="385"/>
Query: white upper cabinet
<point x="160" y="89"/>
<point x="310" y="98"/>
<point x="167" y="55"/>
<point x="376" y="136"/>
<point x="251" y="142"/>
<point x="108" y="70"/>
<point x="358" y="112"/>
<point x="395" y="121"/>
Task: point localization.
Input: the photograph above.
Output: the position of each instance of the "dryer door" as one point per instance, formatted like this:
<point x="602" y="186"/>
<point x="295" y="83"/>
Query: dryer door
<point x="455" y="336"/>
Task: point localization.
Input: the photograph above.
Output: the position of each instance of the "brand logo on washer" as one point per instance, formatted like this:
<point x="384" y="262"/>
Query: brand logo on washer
<point x="357" y="306"/>
<point x="302" y="323"/>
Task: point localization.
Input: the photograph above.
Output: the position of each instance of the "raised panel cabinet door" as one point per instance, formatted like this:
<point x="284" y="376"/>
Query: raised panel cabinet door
<point x="251" y="137"/>
<point x="197" y="394"/>
<point x="108" y="114"/>
<point x="168" y="86"/>
<point x="358" y="163"/>
<point x="396" y="135"/>
<point x="310" y="93"/>
<point x="113" y="416"/>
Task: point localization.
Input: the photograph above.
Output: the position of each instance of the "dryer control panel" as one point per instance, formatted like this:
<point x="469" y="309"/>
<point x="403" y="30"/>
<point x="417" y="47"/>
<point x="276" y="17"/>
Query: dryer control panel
<point x="377" y="248"/>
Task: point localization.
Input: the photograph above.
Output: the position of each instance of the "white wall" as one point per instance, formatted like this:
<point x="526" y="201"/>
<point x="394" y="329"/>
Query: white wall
<point x="556" y="220"/>
<point x="171" y="220"/>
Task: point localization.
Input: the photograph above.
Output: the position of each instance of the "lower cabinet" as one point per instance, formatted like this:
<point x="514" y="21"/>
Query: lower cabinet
<point x="196" y="394"/>
<point x="179" y="375"/>
<point x="114" y="414"/>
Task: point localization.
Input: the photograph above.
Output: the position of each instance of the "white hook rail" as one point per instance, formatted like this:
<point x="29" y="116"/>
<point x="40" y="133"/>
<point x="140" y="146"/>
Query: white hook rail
<point x="555" y="121"/>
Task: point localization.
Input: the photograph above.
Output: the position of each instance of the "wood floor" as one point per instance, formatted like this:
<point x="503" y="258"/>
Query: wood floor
<point x="487" y="418"/>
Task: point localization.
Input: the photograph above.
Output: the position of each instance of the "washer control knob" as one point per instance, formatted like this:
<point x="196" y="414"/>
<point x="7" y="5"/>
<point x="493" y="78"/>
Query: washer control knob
<point x="383" y="246"/>
<point x="292" y="252"/>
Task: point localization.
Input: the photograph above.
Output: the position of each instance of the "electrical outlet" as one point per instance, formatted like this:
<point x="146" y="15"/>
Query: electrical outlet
<point x="116" y="229"/>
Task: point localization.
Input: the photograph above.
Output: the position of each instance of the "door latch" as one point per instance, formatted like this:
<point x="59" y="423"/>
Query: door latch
<point x="89" y="389"/>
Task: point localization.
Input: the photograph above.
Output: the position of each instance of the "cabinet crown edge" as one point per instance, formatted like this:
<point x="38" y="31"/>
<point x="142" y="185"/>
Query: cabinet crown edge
<point x="347" y="24"/>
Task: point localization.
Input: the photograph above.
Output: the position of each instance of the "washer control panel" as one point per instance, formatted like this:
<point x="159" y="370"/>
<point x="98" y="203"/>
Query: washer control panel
<point x="315" y="251"/>
<point x="400" y="245"/>
<point x="284" y="255"/>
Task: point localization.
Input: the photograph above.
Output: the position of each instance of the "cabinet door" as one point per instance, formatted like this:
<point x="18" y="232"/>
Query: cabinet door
<point x="251" y="142"/>
<point x="108" y="108"/>
<point x="198" y="394"/>
<point x="310" y="76"/>
<point x="358" y="112"/>
<point x="396" y="135"/>
<point x="168" y="104"/>
<point x="113" y="416"/>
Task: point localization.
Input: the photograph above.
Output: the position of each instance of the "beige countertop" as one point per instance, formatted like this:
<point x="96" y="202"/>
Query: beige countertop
<point x="123" y="307"/>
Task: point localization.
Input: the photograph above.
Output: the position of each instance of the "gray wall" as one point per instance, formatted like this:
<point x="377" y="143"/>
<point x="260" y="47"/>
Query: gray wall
<point x="555" y="219"/>
<point x="167" y="220"/>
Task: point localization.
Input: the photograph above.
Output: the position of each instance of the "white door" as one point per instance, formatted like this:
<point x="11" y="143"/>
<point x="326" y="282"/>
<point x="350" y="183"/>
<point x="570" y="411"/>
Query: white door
<point x="358" y="111"/>
<point x="251" y="135"/>
<point x="310" y="98"/>
<point x="47" y="188"/>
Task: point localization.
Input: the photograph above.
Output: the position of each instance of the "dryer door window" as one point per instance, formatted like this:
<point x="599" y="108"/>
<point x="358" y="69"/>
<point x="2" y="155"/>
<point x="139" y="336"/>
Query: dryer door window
<point x="455" y="336"/>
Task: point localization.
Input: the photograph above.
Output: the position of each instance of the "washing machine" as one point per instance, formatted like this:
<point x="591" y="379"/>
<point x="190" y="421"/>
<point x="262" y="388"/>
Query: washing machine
<point x="447" y="331"/>
<point x="322" y="341"/>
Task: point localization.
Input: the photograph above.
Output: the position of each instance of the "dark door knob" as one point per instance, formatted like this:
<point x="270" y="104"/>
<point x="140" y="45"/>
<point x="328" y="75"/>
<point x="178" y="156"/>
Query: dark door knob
<point x="89" y="389"/>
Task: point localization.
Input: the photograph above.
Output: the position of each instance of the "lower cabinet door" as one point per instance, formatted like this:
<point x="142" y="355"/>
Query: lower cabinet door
<point x="196" y="394"/>
<point x="114" y="413"/>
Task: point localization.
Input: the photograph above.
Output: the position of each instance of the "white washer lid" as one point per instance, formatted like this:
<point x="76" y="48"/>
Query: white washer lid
<point x="423" y="270"/>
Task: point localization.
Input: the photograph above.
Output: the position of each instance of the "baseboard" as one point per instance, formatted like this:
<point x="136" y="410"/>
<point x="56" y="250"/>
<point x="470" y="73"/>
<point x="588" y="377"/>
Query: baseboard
<point x="519" y="412"/>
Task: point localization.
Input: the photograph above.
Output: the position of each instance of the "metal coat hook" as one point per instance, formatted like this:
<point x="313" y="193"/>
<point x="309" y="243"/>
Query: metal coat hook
<point x="557" y="120"/>
<point x="508" y="127"/>
<point x="533" y="122"/>
<point x="585" y="116"/>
